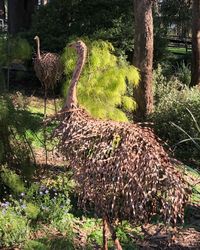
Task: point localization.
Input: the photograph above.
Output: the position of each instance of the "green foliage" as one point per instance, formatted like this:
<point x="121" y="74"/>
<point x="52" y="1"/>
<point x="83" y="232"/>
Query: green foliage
<point x="50" y="201"/>
<point x="177" y="12"/>
<point x="12" y="180"/>
<point x="109" y="20"/>
<point x="193" y="176"/>
<point x="13" y="228"/>
<point x="14" y="48"/>
<point x="189" y="138"/>
<point x="35" y="204"/>
<point x="104" y="83"/>
<point x="58" y="243"/>
<point x="184" y="73"/>
<point x="106" y="19"/>
<point x="15" y="148"/>
<point x="172" y="101"/>
<point x="160" y="39"/>
<point x="32" y="211"/>
<point x="36" y="245"/>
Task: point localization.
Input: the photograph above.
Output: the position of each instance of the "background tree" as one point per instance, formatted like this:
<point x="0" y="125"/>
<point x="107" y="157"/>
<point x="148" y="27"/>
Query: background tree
<point x="110" y="20"/>
<point x="195" y="80"/>
<point x="177" y="14"/>
<point x="19" y="15"/>
<point x="143" y="56"/>
<point x="2" y="9"/>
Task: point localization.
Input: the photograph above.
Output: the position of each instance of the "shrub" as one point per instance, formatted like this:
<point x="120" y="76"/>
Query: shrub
<point x="14" y="228"/>
<point x="15" y="148"/>
<point x="47" y="203"/>
<point x="184" y="73"/>
<point x="19" y="49"/>
<point x="172" y="101"/>
<point x="12" y="181"/>
<point x="105" y="81"/>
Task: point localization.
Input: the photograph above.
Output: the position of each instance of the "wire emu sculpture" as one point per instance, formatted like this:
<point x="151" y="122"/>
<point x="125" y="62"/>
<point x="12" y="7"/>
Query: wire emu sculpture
<point x="48" y="68"/>
<point x="121" y="169"/>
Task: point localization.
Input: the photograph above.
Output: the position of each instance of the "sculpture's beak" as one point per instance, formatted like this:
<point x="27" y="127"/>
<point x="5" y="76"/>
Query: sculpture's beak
<point x="71" y="45"/>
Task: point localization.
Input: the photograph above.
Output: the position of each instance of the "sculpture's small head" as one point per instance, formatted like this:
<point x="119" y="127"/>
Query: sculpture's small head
<point x="79" y="46"/>
<point x="36" y="38"/>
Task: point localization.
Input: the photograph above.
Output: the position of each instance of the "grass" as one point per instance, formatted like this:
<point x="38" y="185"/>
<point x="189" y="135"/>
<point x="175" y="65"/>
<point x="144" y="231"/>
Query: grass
<point x="58" y="243"/>
<point x="178" y="50"/>
<point x="36" y="106"/>
<point x="87" y="234"/>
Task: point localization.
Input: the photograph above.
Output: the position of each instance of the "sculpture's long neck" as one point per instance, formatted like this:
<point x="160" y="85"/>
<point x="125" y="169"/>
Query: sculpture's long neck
<point x="71" y="100"/>
<point x="38" y="48"/>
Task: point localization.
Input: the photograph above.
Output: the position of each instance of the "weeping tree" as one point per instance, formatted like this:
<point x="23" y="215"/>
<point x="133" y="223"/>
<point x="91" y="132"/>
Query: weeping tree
<point x="143" y="57"/>
<point x="104" y="88"/>
<point x="195" y="80"/>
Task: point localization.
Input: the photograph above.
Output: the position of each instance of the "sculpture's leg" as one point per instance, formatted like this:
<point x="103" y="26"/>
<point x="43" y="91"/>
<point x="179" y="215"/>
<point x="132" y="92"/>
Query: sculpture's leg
<point x="105" y="236"/>
<point x="44" y="128"/>
<point x="54" y="100"/>
<point x="114" y="237"/>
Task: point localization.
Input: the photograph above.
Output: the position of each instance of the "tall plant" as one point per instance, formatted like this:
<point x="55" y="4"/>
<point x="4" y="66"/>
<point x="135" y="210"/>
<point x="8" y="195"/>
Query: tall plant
<point x="105" y="86"/>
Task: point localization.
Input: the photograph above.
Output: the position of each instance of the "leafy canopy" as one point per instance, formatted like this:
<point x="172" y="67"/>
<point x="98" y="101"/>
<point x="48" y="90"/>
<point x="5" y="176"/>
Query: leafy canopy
<point x="110" y="20"/>
<point x="103" y="89"/>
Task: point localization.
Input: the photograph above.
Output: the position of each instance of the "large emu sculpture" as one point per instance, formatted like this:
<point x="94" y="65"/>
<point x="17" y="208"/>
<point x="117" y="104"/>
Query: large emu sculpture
<point x="121" y="169"/>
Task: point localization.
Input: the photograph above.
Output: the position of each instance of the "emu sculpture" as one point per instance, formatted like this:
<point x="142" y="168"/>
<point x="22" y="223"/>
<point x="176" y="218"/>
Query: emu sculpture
<point x="48" y="68"/>
<point x="121" y="169"/>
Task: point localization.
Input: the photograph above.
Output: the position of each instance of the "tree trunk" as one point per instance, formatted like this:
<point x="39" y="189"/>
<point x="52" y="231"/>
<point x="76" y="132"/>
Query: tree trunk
<point x="143" y="57"/>
<point x="2" y="9"/>
<point x="19" y="15"/>
<point x="195" y="79"/>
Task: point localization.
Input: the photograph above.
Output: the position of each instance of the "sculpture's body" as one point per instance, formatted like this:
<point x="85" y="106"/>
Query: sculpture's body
<point x="48" y="67"/>
<point x="120" y="168"/>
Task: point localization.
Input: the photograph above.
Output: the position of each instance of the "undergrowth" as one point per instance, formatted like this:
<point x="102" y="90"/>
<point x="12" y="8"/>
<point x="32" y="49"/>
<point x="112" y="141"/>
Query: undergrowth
<point x="173" y="99"/>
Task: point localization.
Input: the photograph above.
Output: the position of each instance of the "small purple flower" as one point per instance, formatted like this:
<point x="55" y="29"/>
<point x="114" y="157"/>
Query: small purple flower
<point x="3" y="211"/>
<point x="42" y="187"/>
<point x="23" y="206"/>
<point x="22" y="194"/>
<point x="41" y="192"/>
<point x="6" y="204"/>
<point x="46" y="191"/>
